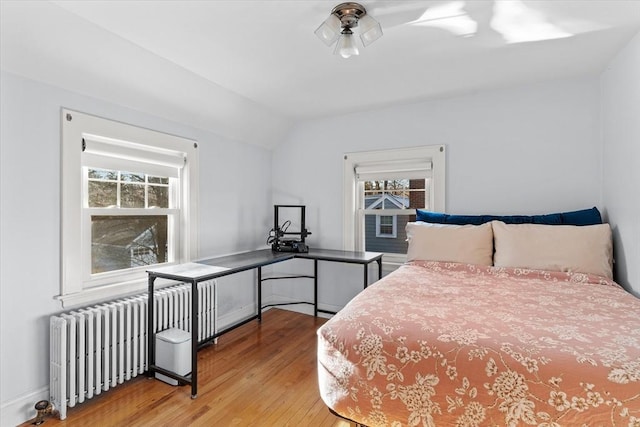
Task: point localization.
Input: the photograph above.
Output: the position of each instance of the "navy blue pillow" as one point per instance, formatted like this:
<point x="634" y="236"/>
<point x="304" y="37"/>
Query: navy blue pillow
<point x="581" y="217"/>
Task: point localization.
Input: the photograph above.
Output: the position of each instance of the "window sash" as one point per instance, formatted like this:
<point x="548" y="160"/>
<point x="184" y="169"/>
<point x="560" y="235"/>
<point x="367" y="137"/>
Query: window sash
<point x="90" y="279"/>
<point x="361" y="212"/>
<point x="173" y="233"/>
<point x="173" y="188"/>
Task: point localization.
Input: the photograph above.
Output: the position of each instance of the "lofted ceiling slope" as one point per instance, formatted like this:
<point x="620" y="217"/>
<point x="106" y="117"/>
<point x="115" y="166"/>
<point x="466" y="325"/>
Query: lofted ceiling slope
<point x="248" y="70"/>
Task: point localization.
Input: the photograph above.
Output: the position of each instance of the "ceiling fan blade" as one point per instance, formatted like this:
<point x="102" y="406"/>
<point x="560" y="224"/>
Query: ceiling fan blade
<point x="393" y="13"/>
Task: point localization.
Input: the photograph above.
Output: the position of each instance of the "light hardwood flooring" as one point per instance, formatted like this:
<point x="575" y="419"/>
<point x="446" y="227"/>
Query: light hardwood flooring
<point x="261" y="374"/>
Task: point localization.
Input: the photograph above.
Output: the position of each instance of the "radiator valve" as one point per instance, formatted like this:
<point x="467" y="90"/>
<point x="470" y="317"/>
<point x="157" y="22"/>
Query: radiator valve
<point x="43" y="408"/>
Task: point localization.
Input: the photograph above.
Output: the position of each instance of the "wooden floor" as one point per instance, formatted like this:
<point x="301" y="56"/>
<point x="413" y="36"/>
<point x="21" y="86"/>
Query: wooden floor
<point x="261" y="374"/>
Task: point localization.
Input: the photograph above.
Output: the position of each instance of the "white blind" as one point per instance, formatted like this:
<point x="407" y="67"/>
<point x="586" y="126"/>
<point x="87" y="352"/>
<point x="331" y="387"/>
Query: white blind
<point x="107" y="153"/>
<point x="405" y="169"/>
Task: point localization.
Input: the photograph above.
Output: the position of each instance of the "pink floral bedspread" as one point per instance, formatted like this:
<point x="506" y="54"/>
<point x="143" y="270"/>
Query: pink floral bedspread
<point x="442" y="344"/>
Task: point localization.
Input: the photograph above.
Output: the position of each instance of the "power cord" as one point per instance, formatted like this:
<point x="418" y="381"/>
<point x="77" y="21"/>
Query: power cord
<point x="274" y="234"/>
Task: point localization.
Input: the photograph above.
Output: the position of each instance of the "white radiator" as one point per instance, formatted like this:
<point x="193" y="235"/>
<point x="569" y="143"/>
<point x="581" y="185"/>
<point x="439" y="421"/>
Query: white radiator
<point x="96" y="348"/>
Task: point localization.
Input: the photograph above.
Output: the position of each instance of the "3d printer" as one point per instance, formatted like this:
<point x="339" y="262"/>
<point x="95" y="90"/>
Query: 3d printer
<point x="278" y="235"/>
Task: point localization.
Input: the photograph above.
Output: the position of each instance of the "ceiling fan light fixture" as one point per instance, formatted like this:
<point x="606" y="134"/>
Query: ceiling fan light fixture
<point x="339" y="26"/>
<point x="329" y="30"/>
<point x="346" y="46"/>
<point x="370" y="30"/>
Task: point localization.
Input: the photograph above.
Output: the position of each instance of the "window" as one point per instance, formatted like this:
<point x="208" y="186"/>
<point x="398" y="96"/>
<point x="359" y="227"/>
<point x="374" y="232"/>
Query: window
<point x="382" y="191"/>
<point x="128" y="202"/>
<point x="386" y="226"/>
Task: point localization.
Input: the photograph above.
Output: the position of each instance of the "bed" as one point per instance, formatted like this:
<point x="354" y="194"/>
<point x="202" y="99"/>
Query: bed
<point x="462" y="336"/>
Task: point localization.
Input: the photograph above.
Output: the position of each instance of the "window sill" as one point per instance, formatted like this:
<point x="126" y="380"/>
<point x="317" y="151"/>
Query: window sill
<point x="106" y="293"/>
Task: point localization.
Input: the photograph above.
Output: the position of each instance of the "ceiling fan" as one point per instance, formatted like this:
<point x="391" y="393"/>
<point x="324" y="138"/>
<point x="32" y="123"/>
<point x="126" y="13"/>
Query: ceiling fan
<point x="490" y="23"/>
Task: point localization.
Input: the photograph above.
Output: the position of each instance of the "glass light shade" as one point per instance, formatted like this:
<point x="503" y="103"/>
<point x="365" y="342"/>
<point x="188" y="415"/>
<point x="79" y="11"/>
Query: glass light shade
<point x="370" y="30"/>
<point x="346" y="46"/>
<point x="329" y="30"/>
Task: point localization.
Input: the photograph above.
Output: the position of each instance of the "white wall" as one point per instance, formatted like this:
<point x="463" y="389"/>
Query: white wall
<point x="526" y="150"/>
<point x="621" y="160"/>
<point x="235" y="194"/>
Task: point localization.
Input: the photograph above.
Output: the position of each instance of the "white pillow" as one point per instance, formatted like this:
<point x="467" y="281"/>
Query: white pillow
<point x="469" y="244"/>
<point x="583" y="249"/>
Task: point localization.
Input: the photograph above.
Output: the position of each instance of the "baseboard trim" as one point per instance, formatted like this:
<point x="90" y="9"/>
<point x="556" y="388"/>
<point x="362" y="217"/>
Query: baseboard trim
<point x="21" y="409"/>
<point x="235" y="316"/>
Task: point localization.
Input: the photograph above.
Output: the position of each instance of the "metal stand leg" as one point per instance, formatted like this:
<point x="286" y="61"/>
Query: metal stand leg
<point x="151" y="335"/>
<point x="366" y="275"/>
<point x="259" y="294"/>
<point x="315" y="287"/>
<point x="194" y="339"/>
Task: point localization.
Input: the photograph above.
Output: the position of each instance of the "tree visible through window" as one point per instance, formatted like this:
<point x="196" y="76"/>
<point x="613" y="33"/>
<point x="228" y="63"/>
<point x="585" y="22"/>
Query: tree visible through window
<point x="124" y="241"/>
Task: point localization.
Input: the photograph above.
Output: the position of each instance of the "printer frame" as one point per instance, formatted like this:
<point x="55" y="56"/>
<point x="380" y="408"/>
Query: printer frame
<point x="282" y="244"/>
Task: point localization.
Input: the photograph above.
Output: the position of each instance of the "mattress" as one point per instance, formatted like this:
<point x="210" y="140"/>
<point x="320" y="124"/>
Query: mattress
<point x="446" y="344"/>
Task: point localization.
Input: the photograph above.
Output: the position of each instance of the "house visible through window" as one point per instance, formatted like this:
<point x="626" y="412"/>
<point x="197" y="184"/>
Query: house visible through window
<point x="387" y="206"/>
<point x="387" y="197"/>
<point x="383" y="189"/>
<point x="128" y="201"/>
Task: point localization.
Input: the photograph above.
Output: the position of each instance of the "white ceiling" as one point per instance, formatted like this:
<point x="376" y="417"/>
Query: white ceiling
<point x="248" y="70"/>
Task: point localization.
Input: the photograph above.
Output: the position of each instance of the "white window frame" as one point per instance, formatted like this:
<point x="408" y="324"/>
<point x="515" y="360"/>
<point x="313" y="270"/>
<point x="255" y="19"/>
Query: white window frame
<point x="76" y="286"/>
<point x="394" y="227"/>
<point x="353" y="224"/>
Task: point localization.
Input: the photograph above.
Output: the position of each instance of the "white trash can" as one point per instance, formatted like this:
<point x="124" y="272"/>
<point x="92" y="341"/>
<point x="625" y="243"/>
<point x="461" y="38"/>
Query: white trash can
<point x="173" y="353"/>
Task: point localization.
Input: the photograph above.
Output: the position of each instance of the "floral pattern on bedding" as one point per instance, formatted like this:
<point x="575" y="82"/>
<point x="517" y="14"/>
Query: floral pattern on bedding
<point x="443" y="344"/>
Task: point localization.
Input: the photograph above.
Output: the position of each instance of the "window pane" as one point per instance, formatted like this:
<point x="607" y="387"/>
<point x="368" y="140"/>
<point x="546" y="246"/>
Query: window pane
<point x="158" y="180"/>
<point x="396" y="184"/>
<point x="132" y="196"/>
<point x="386" y="229"/>
<point x="158" y="196"/>
<point x="373" y="187"/>
<point x="102" y="194"/>
<point x="391" y="195"/>
<point x="122" y="242"/>
<point x="103" y="174"/>
<point x="132" y="177"/>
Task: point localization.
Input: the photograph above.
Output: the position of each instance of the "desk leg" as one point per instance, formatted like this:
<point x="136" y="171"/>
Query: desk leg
<point x="366" y="275"/>
<point x="315" y="287"/>
<point x="259" y="294"/>
<point x="151" y="336"/>
<point x="194" y="339"/>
